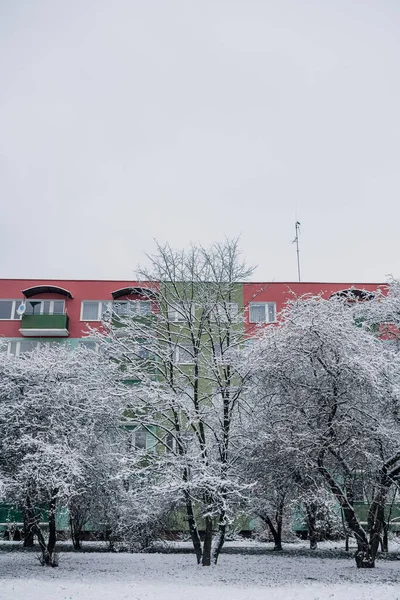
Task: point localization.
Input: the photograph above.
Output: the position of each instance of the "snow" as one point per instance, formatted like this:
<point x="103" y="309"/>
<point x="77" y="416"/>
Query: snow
<point x="95" y="576"/>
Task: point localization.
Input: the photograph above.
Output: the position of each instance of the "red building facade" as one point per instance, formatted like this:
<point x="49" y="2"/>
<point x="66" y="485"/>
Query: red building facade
<point x="278" y="293"/>
<point x="53" y="310"/>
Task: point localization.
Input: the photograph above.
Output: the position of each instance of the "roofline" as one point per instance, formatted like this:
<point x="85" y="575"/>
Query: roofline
<point x="136" y="281"/>
<point x="72" y="280"/>
<point x="314" y="282"/>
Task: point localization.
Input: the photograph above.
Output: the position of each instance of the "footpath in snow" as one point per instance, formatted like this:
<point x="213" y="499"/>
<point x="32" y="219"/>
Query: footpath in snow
<point x="95" y="576"/>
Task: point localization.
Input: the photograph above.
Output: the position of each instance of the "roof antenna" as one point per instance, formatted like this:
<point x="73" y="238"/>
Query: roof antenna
<point x="296" y="241"/>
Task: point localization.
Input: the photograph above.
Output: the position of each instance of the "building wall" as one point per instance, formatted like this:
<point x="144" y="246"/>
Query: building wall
<point x="276" y="292"/>
<point x="80" y="290"/>
<point x="281" y="292"/>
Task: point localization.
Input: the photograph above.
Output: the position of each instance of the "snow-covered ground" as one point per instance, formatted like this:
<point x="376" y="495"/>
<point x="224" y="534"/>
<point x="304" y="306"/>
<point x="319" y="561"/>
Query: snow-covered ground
<point x="176" y="577"/>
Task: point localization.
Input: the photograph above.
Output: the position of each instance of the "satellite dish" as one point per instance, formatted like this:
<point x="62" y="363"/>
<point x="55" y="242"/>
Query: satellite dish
<point x="21" y="308"/>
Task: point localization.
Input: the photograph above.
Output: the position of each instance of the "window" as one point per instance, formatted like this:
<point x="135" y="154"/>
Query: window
<point x="16" y="348"/>
<point x="8" y="310"/>
<point x="184" y="354"/>
<point x="262" y="312"/>
<point x="143" y="351"/>
<point x="358" y="491"/>
<point x="88" y="344"/>
<point x="225" y="311"/>
<point x="134" y="307"/>
<point x="170" y="442"/>
<point x="27" y="346"/>
<point x="140" y="438"/>
<point x="181" y="311"/>
<point x="218" y="350"/>
<point x="221" y="353"/>
<point x="45" y="307"/>
<point x="228" y="393"/>
<point x="94" y="310"/>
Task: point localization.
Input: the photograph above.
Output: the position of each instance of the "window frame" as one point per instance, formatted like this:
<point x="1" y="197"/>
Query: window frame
<point x="219" y="314"/>
<point x="172" y="310"/>
<point x="150" y="446"/>
<point x="18" y="342"/>
<point x="186" y="348"/>
<point x="136" y="313"/>
<point x="51" y="308"/>
<point x="16" y="303"/>
<point x="266" y="305"/>
<point x="100" y="304"/>
<point x="89" y="344"/>
<point x="14" y="306"/>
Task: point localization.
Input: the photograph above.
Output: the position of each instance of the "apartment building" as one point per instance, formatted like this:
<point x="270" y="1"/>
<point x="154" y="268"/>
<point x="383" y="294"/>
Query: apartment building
<point x="36" y="311"/>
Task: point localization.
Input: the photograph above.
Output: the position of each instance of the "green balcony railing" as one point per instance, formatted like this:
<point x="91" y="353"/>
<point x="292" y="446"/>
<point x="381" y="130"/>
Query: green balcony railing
<point x="52" y="323"/>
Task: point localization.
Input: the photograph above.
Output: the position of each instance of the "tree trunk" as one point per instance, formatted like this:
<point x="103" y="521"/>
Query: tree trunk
<point x="311" y="514"/>
<point x="275" y="531"/>
<point x="194" y="534"/>
<point x="376" y="517"/>
<point x="219" y="542"/>
<point x="385" y="538"/>
<point x="76" y="531"/>
<point x="29" y="538"/>
<point x="29" y="520"/>
<point x="48" y="552"/>
<point x="51" y="545"/>
<point x="42" y="544"/>
<point x="279" y="521"/>
<point x="206" y="562"/>
<point x="365" y="558"/>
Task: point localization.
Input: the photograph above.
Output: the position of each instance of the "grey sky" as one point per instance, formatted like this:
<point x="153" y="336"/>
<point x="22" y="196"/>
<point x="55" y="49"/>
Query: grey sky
<point x="127" y="120"/>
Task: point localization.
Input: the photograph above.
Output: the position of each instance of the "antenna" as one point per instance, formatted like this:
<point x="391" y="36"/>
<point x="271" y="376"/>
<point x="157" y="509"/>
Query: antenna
<point x="296" y="241"/>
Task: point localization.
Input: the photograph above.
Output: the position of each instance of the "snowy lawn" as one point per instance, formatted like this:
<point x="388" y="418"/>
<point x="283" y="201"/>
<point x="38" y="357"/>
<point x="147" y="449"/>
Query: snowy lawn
<point x="176" y="577"/>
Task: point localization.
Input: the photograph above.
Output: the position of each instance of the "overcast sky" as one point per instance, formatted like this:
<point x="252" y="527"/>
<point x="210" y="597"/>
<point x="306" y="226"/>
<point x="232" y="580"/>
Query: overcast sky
<point x="122" y="121"/>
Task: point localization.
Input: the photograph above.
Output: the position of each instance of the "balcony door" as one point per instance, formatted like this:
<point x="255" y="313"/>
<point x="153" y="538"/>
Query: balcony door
<point x="45" y="307"/>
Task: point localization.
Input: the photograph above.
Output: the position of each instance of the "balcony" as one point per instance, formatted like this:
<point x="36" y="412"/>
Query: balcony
<point x="44" y="326"/>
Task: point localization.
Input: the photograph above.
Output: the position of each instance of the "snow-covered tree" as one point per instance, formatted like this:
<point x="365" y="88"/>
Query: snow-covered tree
<point x="283" y="489"/>
<point x="271" y="480"/>
<point x="329" y="391"/>
<point x="59" y="431"/>
<point x="190" y="395"/>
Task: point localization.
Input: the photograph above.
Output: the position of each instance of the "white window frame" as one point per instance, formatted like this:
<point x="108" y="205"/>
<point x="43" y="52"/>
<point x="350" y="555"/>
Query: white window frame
<point x="87" y="343"/>
<point x="15" y="304"/>
<point x="266" y="305"/>
<point x="175" y="315"/>
<point x="220" y="354"/>
<point x="183" y="348"/>
<point x="225" y="312"/>
<point x="38" y="344"/>
<point x="138" y="429"/>
<point x="100" y="304"/>
<point x="51" y="309"/>
<point x="150" y="444"/>
<point x="136" y="306"/>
